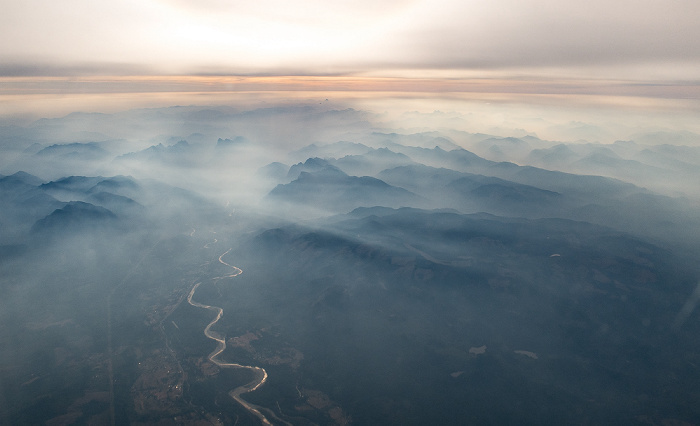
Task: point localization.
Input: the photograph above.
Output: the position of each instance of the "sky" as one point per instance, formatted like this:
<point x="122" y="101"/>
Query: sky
<point x="57" y="57"/>
<point x="641" y="39"/>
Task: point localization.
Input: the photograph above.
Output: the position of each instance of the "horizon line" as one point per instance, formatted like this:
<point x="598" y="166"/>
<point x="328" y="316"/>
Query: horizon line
<point x="517" y="85"/>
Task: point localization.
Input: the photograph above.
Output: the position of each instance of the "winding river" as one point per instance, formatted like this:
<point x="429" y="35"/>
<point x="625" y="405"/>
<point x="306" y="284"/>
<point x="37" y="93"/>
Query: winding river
<point x="260" y="375"/>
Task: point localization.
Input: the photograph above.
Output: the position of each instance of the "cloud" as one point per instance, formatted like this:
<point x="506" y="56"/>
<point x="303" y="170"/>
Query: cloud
<point x="548" y="33"/>
<point x="270" y="36"/>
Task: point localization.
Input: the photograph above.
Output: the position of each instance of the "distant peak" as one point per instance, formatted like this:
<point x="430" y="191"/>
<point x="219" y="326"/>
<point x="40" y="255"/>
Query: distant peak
<point x="25" y="178"/>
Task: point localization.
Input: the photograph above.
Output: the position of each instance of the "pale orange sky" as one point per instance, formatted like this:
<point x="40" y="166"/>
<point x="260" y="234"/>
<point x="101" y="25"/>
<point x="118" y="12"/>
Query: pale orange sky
<point x="500" y="106"/>
<point x="58" y="57"/>
<point x="645" y="40"/>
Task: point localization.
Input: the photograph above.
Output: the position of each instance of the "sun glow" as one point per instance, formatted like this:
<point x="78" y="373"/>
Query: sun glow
<point x="253" y="37"/>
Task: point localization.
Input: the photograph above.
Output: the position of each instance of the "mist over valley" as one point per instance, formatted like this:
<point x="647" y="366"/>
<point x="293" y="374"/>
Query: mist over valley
<point x="329" y="263"/>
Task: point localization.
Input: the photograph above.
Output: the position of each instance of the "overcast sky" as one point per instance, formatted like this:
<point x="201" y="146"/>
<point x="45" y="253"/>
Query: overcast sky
<point x="638" y="39"/>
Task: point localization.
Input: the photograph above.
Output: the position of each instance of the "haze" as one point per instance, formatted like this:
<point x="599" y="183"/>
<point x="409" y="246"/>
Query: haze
<point x="349" y="213"/>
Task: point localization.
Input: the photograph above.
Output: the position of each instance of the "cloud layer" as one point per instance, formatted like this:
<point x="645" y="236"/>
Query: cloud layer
<point x="648" y="38"/>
